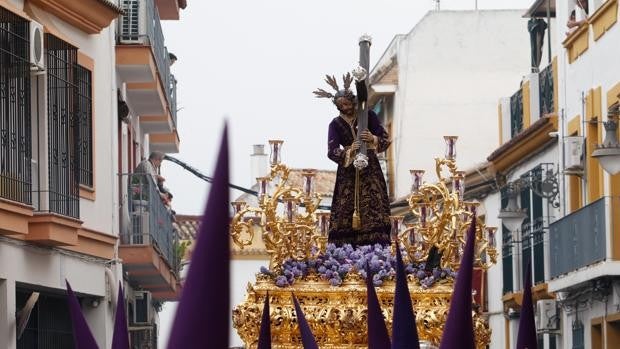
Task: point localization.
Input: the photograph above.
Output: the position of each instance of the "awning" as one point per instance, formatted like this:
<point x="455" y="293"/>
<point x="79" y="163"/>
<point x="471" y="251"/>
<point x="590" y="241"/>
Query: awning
<point x="539" y="9"/>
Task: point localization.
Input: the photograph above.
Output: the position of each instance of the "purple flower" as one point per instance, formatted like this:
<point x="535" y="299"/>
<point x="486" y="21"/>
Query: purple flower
<point x="281" y="281"/>
<point x="335" y="281"/>
<point x="374" y="265"/>
<point x="337" y="262"/>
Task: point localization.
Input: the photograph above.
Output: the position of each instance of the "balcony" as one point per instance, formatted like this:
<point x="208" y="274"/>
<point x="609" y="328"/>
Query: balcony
<point x="604" y="18"/>
<point x="578" y="239"/>
<point x="168" y="142"/>
<point x="148" y="241"/>
<point x="143" y="336"/>
<point x="581" y="245"/>
<point x="577" y="42"/>
<point x="536" y="98"/>
<point x="516" y="113"/>
<point x="169" y="9"/>
<point x="526" y="118"/>
<point x="546" y="85"/>
<point x="143" y="64"/>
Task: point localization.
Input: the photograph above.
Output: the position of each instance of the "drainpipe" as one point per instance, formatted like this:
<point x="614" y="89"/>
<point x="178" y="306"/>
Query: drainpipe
<point x="584" y="177"/>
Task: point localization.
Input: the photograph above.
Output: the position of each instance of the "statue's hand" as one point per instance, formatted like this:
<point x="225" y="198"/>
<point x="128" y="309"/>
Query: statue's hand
<point x="359" y="73"/>
<point x="366" y="136"/>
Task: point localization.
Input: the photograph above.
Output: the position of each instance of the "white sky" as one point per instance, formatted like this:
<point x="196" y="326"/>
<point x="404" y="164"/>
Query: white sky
<point x="257" y="62"/>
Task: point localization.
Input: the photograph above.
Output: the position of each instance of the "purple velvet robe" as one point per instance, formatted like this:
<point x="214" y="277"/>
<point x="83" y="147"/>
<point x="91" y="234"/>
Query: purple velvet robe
<point x="374" y="203"/>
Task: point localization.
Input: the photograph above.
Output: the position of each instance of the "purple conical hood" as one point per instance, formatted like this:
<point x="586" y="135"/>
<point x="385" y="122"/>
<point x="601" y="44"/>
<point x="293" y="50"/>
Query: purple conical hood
<point x="404" y="329"/>
<point x="203" y="315"/>
<point x="307" y="338"/>
<point x="378" y="337"/>
<point x="458" y="333"/>
<point x="264" y="336"/>
<point x="526" y="337"/>
<point x="120" y="338"/>
<point x="82" y="337"/>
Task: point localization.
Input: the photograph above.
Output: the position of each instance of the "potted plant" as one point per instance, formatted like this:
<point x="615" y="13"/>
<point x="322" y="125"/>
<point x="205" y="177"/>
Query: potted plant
<point x="139" y="193"/>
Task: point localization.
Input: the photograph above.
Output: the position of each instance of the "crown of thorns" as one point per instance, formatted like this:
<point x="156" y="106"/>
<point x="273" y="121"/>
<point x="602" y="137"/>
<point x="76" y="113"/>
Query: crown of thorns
<point x="331" y="81"/>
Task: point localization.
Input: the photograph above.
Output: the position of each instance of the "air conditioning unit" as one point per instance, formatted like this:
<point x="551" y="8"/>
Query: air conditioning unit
<point x="133" y="24"/>
<point x="37" y="54"/>
<point x="141" y="307"/>
<point x="141" y="228"/>
<point x="573" y="155"/>
<point x="546" y="315"/>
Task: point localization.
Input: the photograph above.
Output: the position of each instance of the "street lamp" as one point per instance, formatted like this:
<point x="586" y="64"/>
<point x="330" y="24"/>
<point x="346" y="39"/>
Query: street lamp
<point x="543" y="181"/>
<point x="512" y="216"/>
<point x="608" y="153"/>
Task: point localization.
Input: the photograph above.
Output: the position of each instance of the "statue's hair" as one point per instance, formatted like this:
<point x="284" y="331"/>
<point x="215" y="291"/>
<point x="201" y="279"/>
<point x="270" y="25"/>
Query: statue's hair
<point x="331" y="81"/>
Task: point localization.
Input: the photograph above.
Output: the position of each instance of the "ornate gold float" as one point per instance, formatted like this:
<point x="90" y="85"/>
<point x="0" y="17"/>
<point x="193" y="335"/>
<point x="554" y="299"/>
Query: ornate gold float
<point x="294" y="229"/>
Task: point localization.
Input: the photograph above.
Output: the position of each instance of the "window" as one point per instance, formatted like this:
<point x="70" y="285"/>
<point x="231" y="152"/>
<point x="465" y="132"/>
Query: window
<point x="578" y="340"/>
<point x="15" y="123"/>
<point x="85" y="119"/>
<point x="49" y="325"/>
<point x="516" y="113"/>
<point x="506" y="251"/>
<point x="530" y="244"/>
<point x="63" y="128"/>
<point x="386" y="159"/>
<point x="532" y="239"/>
<point x="552" y="341"/>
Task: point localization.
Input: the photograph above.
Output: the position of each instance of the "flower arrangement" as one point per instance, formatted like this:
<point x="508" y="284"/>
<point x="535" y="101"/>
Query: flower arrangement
<point x="139" y="188"/>
<point x="337" y="262"/>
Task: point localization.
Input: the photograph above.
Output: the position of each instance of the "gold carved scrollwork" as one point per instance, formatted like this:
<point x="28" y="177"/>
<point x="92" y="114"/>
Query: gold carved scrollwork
<point x="442" y="218"/>
<point x="338" y="315"/>
<point x="291" y="226"/>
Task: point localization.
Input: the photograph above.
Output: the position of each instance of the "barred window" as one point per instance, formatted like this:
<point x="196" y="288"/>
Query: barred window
<point x="578" y="335"/>
<point x="15" y="123"/>
<point x="63" y="127"/>
<point x="85" y="119"/>
<point x="506" y="251"/>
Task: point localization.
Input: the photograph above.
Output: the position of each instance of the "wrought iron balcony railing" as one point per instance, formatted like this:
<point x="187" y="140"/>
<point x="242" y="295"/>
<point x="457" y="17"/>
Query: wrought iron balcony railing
<point x="141" y="25"/>
<point x="545" y="85"/>
<point x="173" y="100"/>
<point x="143" y="337"/>
<point x="516" y="113"/>
<point x="150" y="220"/>
<point x="578" y="239"/>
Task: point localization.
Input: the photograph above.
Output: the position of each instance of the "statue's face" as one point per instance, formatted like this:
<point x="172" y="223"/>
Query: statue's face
<point x="345" y="106"/>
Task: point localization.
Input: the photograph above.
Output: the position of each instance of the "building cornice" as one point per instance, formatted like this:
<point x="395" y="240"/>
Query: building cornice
<point x="523" y="145"/>
<point x="90" y="16"/>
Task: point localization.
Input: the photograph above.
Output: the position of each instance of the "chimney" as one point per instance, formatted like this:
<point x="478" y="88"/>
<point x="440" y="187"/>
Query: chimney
<point x="258" y="163"/>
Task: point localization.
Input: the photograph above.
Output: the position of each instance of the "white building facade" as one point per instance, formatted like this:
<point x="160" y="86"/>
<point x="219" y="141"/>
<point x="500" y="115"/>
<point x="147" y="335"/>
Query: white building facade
<point x="569" y="236"/>
<point x="444" y="78"/>
<point x="66" y="105"/>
